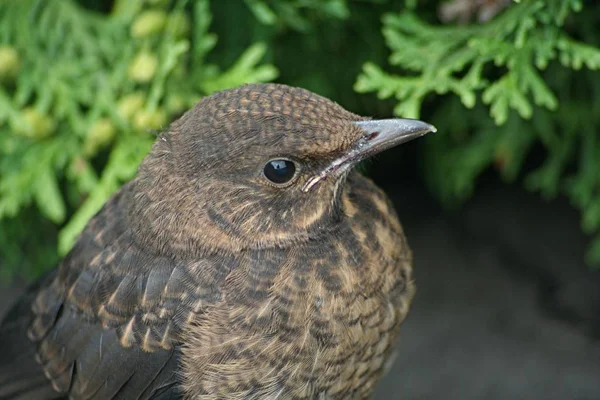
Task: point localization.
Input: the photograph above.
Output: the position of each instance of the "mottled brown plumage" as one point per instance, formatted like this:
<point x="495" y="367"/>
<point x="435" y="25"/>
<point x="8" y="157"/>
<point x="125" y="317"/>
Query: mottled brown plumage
<point x="202" y="279"/>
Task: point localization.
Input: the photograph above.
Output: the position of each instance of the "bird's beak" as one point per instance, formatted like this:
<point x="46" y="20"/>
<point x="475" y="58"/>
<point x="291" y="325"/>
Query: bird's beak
<point x="383" y="134"/>
<point x="379" y="135"/>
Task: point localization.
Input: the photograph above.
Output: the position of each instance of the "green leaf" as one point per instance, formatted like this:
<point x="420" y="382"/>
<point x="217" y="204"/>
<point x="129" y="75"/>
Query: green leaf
<point x="69" y="234"/>
<point x="245" y="70"/>
<point x="47" y="196"/>
<point x="575" y="54"/>
<point x="262" y="12"/>
<point x="504" y="94"/>
<point x="542" y="95"/>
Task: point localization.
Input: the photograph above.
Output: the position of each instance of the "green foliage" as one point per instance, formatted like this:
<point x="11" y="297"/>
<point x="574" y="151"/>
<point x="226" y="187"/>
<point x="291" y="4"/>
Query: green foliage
<point x="525" y="66"/>
<point x="81" y="91"/>
<point x="520" y="41"/>
<point x="85" y="84"/>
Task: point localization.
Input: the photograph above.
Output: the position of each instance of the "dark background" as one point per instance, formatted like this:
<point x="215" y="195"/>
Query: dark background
<point x="505" y="307"/>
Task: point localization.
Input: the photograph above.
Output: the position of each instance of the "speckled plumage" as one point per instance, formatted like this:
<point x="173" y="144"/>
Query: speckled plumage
<point x="199" y="279"/>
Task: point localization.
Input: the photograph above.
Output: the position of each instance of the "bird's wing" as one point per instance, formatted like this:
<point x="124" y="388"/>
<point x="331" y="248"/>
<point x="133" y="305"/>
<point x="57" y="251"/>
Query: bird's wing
<point x="104" y="326"/>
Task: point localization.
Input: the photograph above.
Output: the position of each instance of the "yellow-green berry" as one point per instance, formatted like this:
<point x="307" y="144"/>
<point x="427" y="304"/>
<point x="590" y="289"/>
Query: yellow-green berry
<point x="143" y="67"/>
<point x="130" y="104"/>
<point x="144" y="120"/>
<point x="9" y="62"/>
<point x="148" y="23"/>
<point x="99" y="135"/>
<point x="175" y="104"/>
<point x="180" y="22"/>
<point x="34" y="124"/>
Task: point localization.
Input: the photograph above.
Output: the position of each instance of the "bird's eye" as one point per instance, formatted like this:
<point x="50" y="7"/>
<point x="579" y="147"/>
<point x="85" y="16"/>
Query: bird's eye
<point x="280" y="171"/>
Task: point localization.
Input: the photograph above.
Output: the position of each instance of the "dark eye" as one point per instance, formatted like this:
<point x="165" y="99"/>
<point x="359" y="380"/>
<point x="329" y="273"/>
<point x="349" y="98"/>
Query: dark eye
<point x="280" y="171"/>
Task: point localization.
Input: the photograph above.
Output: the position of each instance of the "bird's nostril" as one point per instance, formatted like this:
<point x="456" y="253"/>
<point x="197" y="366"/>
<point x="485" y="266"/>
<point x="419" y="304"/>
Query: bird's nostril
<point x="372" y="135"/>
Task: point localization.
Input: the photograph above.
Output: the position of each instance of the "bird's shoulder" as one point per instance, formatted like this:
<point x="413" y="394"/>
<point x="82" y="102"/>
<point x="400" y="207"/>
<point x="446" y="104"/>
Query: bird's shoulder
<point x="110" y="280"/>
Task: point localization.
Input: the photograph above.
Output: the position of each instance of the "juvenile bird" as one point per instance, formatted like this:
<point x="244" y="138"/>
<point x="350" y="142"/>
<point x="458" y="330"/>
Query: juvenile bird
<point x="246" y="260"/>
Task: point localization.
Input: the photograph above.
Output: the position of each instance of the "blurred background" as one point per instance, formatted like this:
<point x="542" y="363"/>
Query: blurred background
<point x="501" y="206"/>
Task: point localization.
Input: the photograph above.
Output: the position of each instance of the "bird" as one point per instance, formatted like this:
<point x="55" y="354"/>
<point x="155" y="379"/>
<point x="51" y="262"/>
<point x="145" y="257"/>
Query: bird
<point x="247" y="259"/>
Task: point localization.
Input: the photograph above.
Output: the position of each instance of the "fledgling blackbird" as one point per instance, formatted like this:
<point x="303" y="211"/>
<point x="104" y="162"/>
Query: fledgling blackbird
<point x="245" y="261"/>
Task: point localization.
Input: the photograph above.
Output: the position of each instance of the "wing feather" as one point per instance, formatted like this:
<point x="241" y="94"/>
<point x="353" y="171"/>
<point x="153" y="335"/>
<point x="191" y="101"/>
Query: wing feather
<point x="105" y="325"/>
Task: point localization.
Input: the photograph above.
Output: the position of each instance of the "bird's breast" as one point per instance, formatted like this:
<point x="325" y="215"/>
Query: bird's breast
<point x="316" y="318"/>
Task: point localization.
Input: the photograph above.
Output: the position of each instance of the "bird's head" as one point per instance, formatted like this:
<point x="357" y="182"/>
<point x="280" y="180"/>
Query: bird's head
<point x="261" y="165"/>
